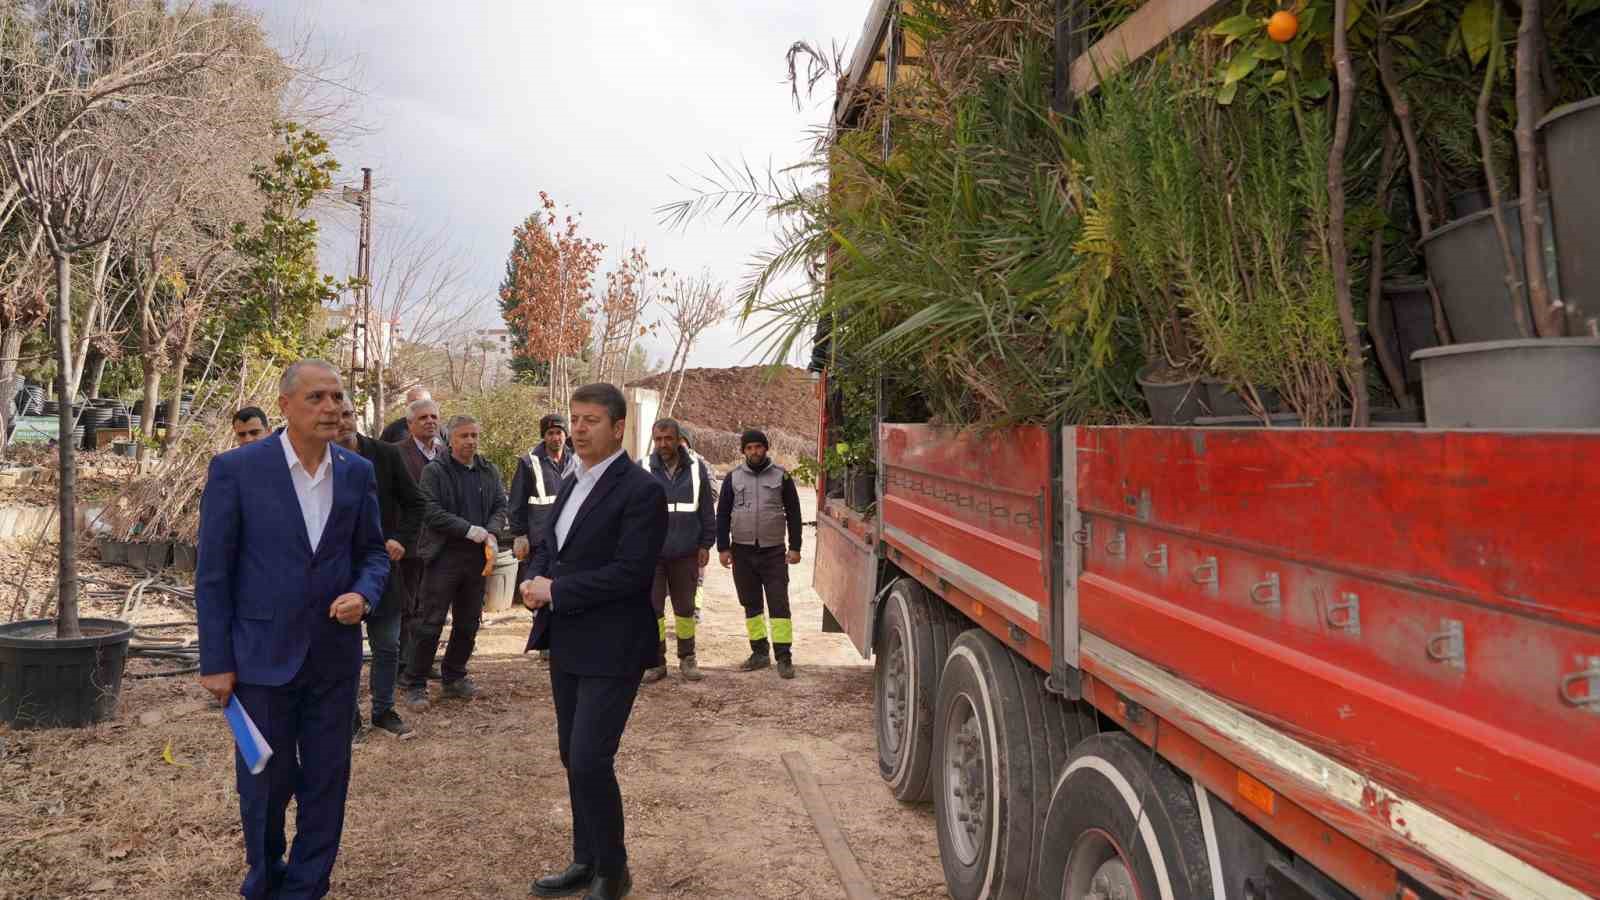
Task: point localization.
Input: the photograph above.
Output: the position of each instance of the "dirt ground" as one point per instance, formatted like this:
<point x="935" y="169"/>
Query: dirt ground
<point x="475" y="804"/>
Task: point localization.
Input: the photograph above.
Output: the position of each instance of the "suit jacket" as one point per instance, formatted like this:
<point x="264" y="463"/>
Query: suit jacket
<point x="261" y="592"/>
<point x="399" y="501"/>
<point x="601" y="622"/>
<point x="413" y="457"/>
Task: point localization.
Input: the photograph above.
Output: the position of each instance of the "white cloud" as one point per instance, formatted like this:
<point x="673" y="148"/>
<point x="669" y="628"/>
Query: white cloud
<point x="479" y="105"/>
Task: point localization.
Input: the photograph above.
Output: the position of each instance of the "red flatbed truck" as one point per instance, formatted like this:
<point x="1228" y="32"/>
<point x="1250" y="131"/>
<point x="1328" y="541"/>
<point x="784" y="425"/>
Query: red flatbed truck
<point x="1235" y="663"/>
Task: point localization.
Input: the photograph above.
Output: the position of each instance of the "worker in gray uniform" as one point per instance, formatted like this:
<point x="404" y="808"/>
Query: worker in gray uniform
<point x="691" y="530"/>
<point x="758" y="506"/>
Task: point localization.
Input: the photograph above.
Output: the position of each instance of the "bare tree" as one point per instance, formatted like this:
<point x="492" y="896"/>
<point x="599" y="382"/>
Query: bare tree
<point x="694" y="304"/>
<point x="81" y="202"/>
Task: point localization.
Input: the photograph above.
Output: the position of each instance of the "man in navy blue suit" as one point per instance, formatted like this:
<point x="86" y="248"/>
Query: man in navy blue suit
<point x="589" y="586"/>
<point x="291" y="559"/>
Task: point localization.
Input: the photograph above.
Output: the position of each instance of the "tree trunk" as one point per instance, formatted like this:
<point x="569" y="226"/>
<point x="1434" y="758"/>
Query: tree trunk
<point x="99" y="373"/>
<point x="1408" y="132"/>
<point x="175" y="399"/>
<point x="10" y="347"/>
<point x="152" y="396"/>
<point x="1549" y="319"/>
<point x="67" y="565"/>
<point x="1355" y="369"/>
<point x="1514" y="295"/>
<point x="1377" y="325"/>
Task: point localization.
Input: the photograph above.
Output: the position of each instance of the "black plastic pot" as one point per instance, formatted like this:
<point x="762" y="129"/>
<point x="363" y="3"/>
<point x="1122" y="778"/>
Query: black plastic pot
<point x="184" y="557"/>
<point x="1222" y="400"/>
<point x="1466" y="265"/>
<point x="1175" y="403"/>
<point x="1528" y="383"/>
<point x="1410" y="323"/>
<point x="46" y="682"/>
<point x="1571" y="146"/>
<point x="1380" y="417"/>
<point x="1467" y="202"/>
<point x="860" y="490"/>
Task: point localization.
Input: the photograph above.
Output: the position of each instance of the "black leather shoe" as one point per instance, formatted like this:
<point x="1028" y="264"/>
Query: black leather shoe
<point x="576" y="878"/>
<point x="610" y="887"/>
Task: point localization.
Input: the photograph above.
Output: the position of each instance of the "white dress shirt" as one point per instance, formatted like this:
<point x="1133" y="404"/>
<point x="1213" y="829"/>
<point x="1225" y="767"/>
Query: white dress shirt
<point x="587" y="478"/>
<point x="313" y="490"/>
<point x="429" y="451"/>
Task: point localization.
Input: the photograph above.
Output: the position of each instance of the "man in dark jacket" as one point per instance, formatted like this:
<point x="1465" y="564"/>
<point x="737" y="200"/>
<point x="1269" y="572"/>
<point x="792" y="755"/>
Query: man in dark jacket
<point x="400" y="507"/>
<point x="757" y="506"/>
<point x="464" y="512"/>
<point x="589" y="587"/>
<point x="536" y="483"/>
<point x="419" y="445"/>
<point x="395" y="431"/>
<point x="691" y="530"/>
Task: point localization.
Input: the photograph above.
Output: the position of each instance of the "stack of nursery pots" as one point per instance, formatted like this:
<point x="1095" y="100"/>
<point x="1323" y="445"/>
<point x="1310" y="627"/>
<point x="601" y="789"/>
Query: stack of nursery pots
<point x="1496" y="376"/>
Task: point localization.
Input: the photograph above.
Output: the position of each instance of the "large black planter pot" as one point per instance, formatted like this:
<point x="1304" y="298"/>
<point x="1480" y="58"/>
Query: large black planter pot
<point x="861" y="490"/>
<point x="183" y="557"/>
<point x="1571" y="147"/>
<point x="1465" y="203"/>
<point x="45" y="682"/>
<point x="112" y="551"/>
<point x="1174" y="403"/>
<point x="1222" y="400"/>
<point x="1529" y="383"/>
<point x="1410" y="323"/>
<point x="1466" y="265"/>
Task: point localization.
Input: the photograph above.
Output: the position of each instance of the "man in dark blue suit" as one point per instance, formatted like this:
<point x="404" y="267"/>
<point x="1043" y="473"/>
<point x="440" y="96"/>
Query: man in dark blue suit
<point x="291" y="559"/>
<point x="589" y="587"/>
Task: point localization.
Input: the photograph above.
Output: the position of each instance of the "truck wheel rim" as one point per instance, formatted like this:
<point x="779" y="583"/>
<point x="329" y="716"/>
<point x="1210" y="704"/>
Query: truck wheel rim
<point x="895" y="688"/>
<point x="1097" y="870"/>
<point x="966" y="783"/>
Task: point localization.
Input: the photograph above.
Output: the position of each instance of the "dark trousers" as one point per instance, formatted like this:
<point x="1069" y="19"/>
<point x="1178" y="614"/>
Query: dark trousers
<point x="451" y="585"/>
<point x="307" y="724"/>
<point x="383" y="637"/>
<point x="676" y="578"/>
<point x="409" y="574"/>
<point x="758" y="570"/>
<point x="591" y="714"/>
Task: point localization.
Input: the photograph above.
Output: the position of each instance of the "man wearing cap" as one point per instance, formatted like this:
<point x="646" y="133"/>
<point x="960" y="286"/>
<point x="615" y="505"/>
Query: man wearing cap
<point x="758" y="505"/>
<point x="534" y="488"/>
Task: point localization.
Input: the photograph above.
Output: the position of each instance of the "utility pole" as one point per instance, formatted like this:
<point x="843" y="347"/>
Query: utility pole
<point x="363" y="298"/>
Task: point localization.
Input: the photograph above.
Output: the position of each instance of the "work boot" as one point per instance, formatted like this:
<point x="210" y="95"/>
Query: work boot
<point x="389" y="721"/>
<point x="460" y="689"/>
<point x="689" y="669"/>
<point x="785" y="667"/>
<point x="755" y="661"/>
<point x="654" y="674"/>
<point x="417" y="698"/>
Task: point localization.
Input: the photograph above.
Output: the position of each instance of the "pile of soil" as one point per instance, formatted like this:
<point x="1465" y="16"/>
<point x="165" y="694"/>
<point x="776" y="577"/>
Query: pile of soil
<point x="717" y="404"/>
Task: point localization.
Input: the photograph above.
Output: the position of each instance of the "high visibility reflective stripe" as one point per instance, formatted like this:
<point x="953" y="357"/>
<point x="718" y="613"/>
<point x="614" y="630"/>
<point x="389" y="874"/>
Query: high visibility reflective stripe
<point x="694" y="485"/>
<point x="782" y="631"/>
<point x="756" y="627"/>
<point x="685" y="627"/>
<point x="698" y="592"/>
<point x="540" y="497"/>
<point x="662" y="626"/>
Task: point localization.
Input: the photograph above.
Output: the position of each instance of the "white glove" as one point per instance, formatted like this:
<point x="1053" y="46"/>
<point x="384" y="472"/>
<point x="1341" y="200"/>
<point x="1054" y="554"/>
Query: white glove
<point x="477" y="534"/>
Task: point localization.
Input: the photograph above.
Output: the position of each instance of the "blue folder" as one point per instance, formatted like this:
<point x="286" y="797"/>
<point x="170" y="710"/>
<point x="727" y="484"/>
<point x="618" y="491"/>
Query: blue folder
<point x="252" y="746"/>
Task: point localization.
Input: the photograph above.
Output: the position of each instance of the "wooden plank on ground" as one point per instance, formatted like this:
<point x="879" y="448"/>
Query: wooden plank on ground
<point x="856" y="885"/>
<point x="1144" y="31"/>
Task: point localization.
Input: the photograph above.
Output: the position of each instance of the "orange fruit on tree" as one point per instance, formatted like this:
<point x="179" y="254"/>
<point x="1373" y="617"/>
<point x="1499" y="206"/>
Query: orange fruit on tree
<point x="1283" y="26"/>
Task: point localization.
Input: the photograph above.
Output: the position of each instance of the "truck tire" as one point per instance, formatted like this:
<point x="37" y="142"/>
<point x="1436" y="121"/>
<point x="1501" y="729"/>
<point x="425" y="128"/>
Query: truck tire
<point x="986" y="797"/>
<point x="905" y="686"/>
<point x="1096" y="840"/>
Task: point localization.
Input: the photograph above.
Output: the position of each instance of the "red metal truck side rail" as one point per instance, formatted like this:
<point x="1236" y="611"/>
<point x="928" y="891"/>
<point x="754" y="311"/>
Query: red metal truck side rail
<point x="1422" y="607"/>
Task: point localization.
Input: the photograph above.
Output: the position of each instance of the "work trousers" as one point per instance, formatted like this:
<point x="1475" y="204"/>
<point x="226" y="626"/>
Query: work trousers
<point x="383" y="637"/>
<point x="676" y="578"/>
<point x="591" y="714"/>
<point x="758" y="570"/>
<point x="452" y="585"/>
<point x="307" y="724"/>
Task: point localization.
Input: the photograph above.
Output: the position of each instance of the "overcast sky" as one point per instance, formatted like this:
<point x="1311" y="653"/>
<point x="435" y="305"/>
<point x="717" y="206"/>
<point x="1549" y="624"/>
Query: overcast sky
<point x="477" y="105"/>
